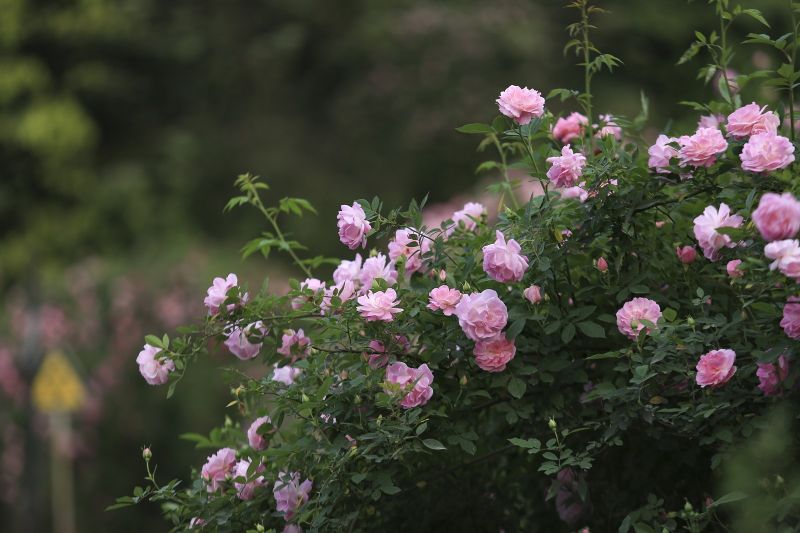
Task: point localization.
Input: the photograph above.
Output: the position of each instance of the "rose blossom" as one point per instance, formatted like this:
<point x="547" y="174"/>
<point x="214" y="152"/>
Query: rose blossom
<point x="379" y="305"/>
<point x="520" y="104"/>
<point x="631" y="314"/>
<point x="153" y="369"/>
<point x="701" y="149"/>
<point x="777" y="216"/>
<point x="403" y="246"/>
<point x="348" y="271"/>
<point x="378" y="267"/>
<point x="246" y="490"/>
<point x="344" y="291"/>
<point x="710" y="121"/>
<point x="786" y="257"/>
<point x="445" y="299"/>
<point x="492" y="355"/>
<point x="576" y="192"/>
<point x="414" y="382"/>
<point x="238" y="340"/>
<point x="610" y="128"/>
<point x="791" y="318"/>
<point x="502" y="261"/>
<point x="218" y="292"/>
<point x="770" y="375"/>
<point x="766" y="152"/>
<point x="312" y="284"/>
<point x="567" y="168"/>
<point x="661" y="153"/>
<point x="705" y="229"/>
<point x="686" y="254"/>
<point x="469" y="216"/>
<point x="292" y="528"/>
<point x="196" y="522"/>
<point x="290" y="494"/>
<point x="286" y="374"/>
<point x="256" y="440"/>
<point x="353" y="226"/>
<point x="377" y="358"/>
<point x="733" y="270"/>
<point x="715" y="368"/>
<point x="566" y="129"/>
<point x="218" y="468"/>
<point x="294" y="344"/>
<point x="481" y="314"/>
<point x="533" y="294"/>
<point x="744" y="120"/>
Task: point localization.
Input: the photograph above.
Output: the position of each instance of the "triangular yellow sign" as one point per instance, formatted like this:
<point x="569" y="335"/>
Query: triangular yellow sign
<point x="56" y="387"/>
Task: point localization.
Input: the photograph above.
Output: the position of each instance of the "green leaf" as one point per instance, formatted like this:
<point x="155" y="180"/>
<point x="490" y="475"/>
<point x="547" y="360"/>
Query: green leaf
<point x="729" y="498"/>
<point x="526" y="443"/>
<point x="433" y="444"/>
<point x="516" y="387"/>
<point x="475" y="128"/>
<point x="756" y="14"/>
<point x="592" y="329"/>
<point x="515" y="329"/>
<point x="669" y="314"/>
<point x="568" y="333"/>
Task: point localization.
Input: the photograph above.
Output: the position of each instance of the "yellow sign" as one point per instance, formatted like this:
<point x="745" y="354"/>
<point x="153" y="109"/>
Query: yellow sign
<point x="56" y="387"/>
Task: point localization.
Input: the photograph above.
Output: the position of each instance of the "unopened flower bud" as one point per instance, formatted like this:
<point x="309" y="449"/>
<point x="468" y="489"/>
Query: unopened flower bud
<point x="147" y="454"/>
<point x="464" y="380"/>
<point x="552" y="424"/>
<point x="442" y="275"/>
<point x="357" y="399"/>
<point x="688" y="507"/>
<point x="602" y="265"/>
<point x="260" y="528"/>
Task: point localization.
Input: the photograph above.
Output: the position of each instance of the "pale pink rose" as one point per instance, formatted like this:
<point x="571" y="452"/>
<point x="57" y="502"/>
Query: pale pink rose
<point x="246" y="490"/>
<point x="218" y="292"/>
<point x="661" y="153"/>
<point x="312" y="284"/>
<point x="786" y="257"/>
<point x="770" y="376"/>
<point x="660" y="223"/>
<point x="502" y="260"/>
<point x="768" y="123"/>
<point x="602" y="265"/>
<point x="791" y="318"/>
<point x="196" y="522"/>
<point x="701" y="149"/>
<point x="377" y="357"/>
<point x="566" y="169"/>
<point x="705" y="230"/>
<point x="353" y="226"/>
<point x="469" y="216"/>
<point x="379" y="305"/>
<point x="630" y="316"/>
<point x="534" y="294"/>
<point x="767" y="152"/>
<point x="716" y="368"/>
<point x="742" y="121"/>
<point x="481" y="314"/>
<point x="286" y="374"/>
<point x="344" y="291"/>
<point x="733" y="270"/>
<point x="155" y="370"/>
<point x="294" y="344"/>
<point x="413" y="383"/>
<point x="292" y="528"/>
<point x="403" y="246"/>
<point x="492" y="355"/>
<point x="576" y="192"/>
<point x="218" y="468"/>
<point x="521" y="104"/>
<point x="686" y="254"/>
<point x="609" y="128"/>
<point x="257" y="441"/>
<point x="348" y="271"/>
<point x="711" y="121"/>
<point x="290" y="494"/>
<point x="572" y="127"/>
<point x="245" y="343"/>
<point x="445" y="299"/>
<point x="777" y="216"/>
<point x="378" y="267"/>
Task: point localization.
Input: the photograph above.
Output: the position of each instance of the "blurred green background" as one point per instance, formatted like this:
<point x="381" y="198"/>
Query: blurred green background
<point x="123" y="124"/>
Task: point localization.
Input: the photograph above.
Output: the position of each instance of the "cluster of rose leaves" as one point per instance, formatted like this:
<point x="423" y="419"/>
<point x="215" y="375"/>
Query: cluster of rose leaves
<point x="368" y="285"/>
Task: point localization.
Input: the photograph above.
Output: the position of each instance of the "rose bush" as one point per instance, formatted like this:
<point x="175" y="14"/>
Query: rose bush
<point x="573" y="363"/>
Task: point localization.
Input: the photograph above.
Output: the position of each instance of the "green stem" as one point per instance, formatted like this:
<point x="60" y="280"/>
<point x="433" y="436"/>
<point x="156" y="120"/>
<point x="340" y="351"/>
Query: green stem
<point x="587" y="75"/>
<point x="279" y="234"/>
<point x="527" y="144"/>
<point x="794" y="57"/>
<point x="505" y="174"/>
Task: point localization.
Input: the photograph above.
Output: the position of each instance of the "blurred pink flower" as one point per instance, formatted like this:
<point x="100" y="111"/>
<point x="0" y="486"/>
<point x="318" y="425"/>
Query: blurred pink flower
<point x="246" y="490"/>
<point x="219" y="467"/>
<point x="348" y="271"/>
<point x="286" y="374"/>
<point x="791" y="318"/>
<point x="403" y="246"/>
<point x="245" y="343"/>
<point x="777" y="216"/>
<point x="732" y="268"/>
<point x="533" y="294"/>
<point x="290" y="494"/>
<point x="294" y="344"/>
<point x="571" y="127"/>
<point x="686" y="254"/>
<point x="770" y="376"/>
<point x="378" y="267"/>
<point x="661" y="153"/>
<point x="218" y="293"/>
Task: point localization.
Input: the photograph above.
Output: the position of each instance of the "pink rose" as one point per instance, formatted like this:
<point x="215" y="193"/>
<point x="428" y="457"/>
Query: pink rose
<point x="196" y="522"/>
<point x="218" y="293"/>
<point x="566" y="169"/>
<point x="378" y="267"/>
<point x="294" y="344"/>
<point x="238" y="340"/>
<point x="403" y="246"/>
<point x="155" y="370"/>
<point x="733" y="270"/>
<point x="254" y="438"/>
<point x="348" y="271"/>
<point x="716" y="368"/>
<point x="445" y="299"/>
<point x="609" y="128"/>
<point x="521" y="105"/>
<point x="377" y="358"/>
<point x="246" y="490"/>
<point x="770" y="376"/>
<point x="742" y="121"/>
<point x="379" y="305"/>
<point x="572" y="127"/>
<point x="766" y="152"/>
<point x="502" y="260"/>
<point x="414" y="383"/>
<point x="602" y="265"/>
<point x="576" y="192"/>
<point x="290" y="494"/>
<point x="218" y="468"/>
<point x="701" y="149"/>
<point x="786" y="257"/>
<point x="768" y="123"/>
<point x="353" y="226"/>
<point x="312" y="284"/>
<point x="343" y="291"/>
<point x="533" y="294"/>
<point x="711" y="121"/>
<point x="630" y="316"/>
<point x="481" y="315"/>
<point x="469" y="216"/>
<point x="492" y="355"/>
<point x="286" y="374"/>
<point x="791" y="318"/>
<point x="292" y="528"/>
<point x="777" y="216"/>
<point x="686" y="254"/>
<point x="661" y="153"/>
<point x="705" y="230"/>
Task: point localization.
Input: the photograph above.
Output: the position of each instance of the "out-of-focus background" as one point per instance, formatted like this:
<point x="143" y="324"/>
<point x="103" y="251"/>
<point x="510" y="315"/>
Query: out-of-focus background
<point x="124" y="122"/>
